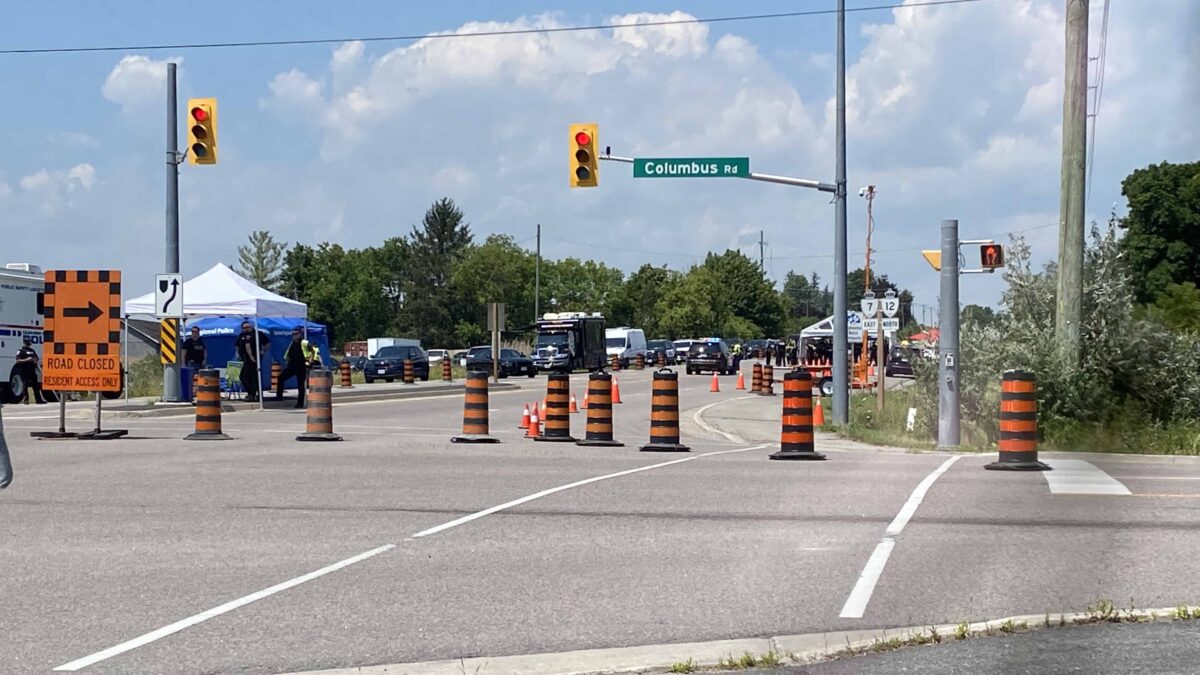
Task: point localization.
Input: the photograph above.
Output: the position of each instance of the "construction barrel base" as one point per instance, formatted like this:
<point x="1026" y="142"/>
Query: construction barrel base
<point x="796" y="454"/>
<point x="318" y="437"/>
<point x="1017" y="463"/>
<point x="665" y="447"/>
<point x="473" y="438"/>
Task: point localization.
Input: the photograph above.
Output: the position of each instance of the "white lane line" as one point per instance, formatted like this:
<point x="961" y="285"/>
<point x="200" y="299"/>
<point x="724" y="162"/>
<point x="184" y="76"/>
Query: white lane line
<point x="856" y="604"/>
<point x="1156" y="477"/>
<point x="698" y="418"/>
<point x="1077" y="477"/>
<point x="217" y="611"/>
<point x="545" y="493"/>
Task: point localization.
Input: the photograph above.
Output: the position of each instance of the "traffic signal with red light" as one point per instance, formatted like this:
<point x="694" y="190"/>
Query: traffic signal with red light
<point x="583" y="161"/>
<point x="991" y="256"/>
<point x="202" y="131"/>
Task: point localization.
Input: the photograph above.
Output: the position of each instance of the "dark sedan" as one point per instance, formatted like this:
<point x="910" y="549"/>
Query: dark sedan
<point x="512" y="362"/>
<point x="388" y="363"/>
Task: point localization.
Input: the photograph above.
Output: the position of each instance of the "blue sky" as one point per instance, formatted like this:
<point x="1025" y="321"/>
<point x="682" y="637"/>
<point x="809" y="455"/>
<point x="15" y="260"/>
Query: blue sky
<point x="955" y="112"/>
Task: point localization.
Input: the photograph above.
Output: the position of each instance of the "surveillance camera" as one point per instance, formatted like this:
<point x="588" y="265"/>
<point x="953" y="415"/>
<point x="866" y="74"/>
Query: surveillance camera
<point x="862" y="192"/>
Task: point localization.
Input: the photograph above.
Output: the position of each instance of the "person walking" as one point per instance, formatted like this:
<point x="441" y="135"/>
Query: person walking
<point x="248" y="353"/>
<point x="26" y="367"/>
<point x="296" y="361"/>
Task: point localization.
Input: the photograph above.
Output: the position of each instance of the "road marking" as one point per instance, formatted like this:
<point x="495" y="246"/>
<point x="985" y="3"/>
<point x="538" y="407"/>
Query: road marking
<point x="217" y="611"/>
<point x="698" y="418"/>
<point x="545" y="493"/>
<point x="1077" y="477"/>
<point x="856" y="604"/>
<point x="1156" y="477"/>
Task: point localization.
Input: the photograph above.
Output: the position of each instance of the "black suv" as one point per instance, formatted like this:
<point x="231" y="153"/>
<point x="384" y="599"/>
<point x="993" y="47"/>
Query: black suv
<point x="512" y="362"/>
<point x="388" y="363"/>
<point x="711" y="355"/>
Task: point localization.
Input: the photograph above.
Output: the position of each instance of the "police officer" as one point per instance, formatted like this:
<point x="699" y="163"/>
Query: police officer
<point x="296" y="361"/>
<point x="194" y="353"/>
<point x="793" y="354"/>
<point x="26" y="364"/>
<point x="737" y="356"/>
<point x="249" y="356"/>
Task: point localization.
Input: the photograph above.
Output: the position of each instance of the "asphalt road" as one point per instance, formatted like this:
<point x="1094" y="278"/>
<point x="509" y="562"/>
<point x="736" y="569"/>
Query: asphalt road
<point x="183" y="547"/>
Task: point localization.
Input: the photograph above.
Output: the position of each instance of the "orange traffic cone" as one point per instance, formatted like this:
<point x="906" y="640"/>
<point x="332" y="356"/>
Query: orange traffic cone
<point x="616" y="391"/>
<point x="716" y="384"/>
<point x="818" y="415"/>
<point x="524" y="418"/>
<point x="534" y="422"/>
<point x="741" y="385"/>
<point x="583" y="406"/>
<point x="574" y="408"/>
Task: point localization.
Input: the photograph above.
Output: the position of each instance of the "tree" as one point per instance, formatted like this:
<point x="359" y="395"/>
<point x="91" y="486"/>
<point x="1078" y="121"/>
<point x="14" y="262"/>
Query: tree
<point x="978" y="314"/>
<point x="747" y="294"/>
<point x="574" y="285"/>
<point x="694" y="307"/>
<point x="261" y="260"/>
<point x="1178" y="307"/>
<point x="1162" y="230"/>
<point x="496" y="271"/>
<point x="806" y="302"/>
<point x="435" y="247"/>
<point x="880" y="284"/>
<point x="637" y="305"/>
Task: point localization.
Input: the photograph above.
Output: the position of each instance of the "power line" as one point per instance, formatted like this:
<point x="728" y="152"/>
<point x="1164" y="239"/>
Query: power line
<point x="1100" y="61"/>
<point x="492" y="33"/>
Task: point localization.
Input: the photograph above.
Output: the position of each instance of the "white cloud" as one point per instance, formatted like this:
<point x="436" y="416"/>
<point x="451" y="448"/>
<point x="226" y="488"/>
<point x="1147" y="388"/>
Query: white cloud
<point x="72" y="139"/>
<point x="83" y="174"/>
<point x="137" y="81"/>
<point x="5" y="190"/>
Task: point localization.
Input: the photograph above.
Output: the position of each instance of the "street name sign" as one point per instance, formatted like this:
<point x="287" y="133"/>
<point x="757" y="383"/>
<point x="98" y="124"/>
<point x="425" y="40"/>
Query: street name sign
<point x="168" y="296"/>
<point x="691" y="167"/>
<point x="82" y="331"/>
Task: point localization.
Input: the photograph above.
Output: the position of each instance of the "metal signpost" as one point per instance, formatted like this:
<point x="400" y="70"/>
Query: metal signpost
<point x="495" y="318"/>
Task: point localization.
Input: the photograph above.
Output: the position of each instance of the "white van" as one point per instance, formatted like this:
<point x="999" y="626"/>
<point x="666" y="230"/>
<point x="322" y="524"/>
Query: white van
<point x="20" y="317"/>
<point x="626" y="343"/>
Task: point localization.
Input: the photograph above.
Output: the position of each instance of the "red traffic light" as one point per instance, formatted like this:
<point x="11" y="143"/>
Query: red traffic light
<point x="582" y="138"/>
<point x="199" y="114"/>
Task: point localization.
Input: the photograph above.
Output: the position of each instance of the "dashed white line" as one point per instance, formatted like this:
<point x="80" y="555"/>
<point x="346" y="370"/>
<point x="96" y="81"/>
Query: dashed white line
<point x="856" y="604"/>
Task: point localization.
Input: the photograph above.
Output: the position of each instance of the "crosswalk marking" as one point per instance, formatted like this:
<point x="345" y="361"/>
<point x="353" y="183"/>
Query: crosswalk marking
<point x="1077" y="477"/>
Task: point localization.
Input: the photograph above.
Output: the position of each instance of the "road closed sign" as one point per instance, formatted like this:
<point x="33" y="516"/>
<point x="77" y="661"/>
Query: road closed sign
<point x="82" y="331"/>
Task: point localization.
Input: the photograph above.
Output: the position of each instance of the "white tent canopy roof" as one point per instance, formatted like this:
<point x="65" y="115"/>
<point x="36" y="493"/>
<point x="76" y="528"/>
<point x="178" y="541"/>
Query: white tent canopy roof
<point x="824" y="328"/>
<point x="222" y="292"/>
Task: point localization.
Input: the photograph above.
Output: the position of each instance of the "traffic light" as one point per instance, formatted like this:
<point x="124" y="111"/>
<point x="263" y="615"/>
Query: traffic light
<point x="583" y="161"/>
<point x="202" y="130"/>
<point x="991" y="256"/>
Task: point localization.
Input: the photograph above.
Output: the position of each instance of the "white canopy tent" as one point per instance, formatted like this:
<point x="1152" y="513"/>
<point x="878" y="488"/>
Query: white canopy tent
<point x="222" y="292"/>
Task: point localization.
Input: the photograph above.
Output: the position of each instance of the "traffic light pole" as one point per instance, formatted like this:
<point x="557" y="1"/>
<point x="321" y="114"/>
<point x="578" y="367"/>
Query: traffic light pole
<point x="171" y="372"/>
<point x="841" y="338"/>
<point x="948" y="365"/>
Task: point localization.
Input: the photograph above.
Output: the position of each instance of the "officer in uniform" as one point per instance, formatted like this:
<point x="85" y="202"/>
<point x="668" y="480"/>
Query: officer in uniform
<point x="296" y="361"/>
<point x="194" y="353"/>
<point x="26" y="363"/>
<point x="249" y="355"/>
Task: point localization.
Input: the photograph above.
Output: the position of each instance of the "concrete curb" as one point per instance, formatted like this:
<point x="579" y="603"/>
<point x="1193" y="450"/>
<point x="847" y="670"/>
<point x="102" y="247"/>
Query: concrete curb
<point x="791" y="649"/>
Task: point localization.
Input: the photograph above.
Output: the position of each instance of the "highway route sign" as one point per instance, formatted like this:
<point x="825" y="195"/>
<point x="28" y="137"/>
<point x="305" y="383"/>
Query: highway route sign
<point x="168" y="296"/>
<point x="82" y="331"/>
<point x="870" y="306"/>
<point x="890" y="305"/>
<point x="691" y="167"/>
<point x="891" y="324"/>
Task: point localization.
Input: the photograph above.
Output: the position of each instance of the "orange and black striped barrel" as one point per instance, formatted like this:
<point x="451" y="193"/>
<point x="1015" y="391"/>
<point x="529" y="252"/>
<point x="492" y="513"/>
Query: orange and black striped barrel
<point x="344" y="371"/>
<point x="640" y="363"/>
<point x="208" y="408"/>
<point x="614" y="362"/>
<point x="409" y="377"/>
<point x="664" y="413"/>
<point x="195" y="385"/>
<point x="599" y="412"/>
<point x="767" y="387"/>
<point x="662" y="359"/>
<point x="446" y="375"/>
<point x="475" y="410"/>
<point x="276" y="371"/>
<point x="557" y="416"/>
<point x="756" y="379"/>
<point x="319" y="423"/>
<point x="796" y="438"/>
<point x="1018" y="423"/>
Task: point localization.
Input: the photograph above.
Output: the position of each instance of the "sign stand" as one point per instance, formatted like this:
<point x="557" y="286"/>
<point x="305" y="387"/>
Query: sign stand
<point x="97" y="434"/>
<point x="62" y="422"/>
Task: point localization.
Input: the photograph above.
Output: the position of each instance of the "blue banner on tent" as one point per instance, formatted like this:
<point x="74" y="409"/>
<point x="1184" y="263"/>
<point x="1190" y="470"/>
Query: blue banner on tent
<point x="220" y="332"/>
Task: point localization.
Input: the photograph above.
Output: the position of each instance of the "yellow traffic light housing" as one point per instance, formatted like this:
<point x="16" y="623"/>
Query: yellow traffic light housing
<point x="583" y="161"/>
<point x="991" y="256"/>
<point x="202" y="130"/>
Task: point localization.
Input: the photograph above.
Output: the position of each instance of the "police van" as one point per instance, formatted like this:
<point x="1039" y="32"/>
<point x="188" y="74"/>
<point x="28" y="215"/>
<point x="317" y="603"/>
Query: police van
<point x="21" y="288"/>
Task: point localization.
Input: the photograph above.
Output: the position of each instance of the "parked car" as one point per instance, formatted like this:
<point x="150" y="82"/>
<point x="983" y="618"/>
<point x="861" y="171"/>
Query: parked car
<point x="711" y="355"/>
<point x="681" y="350"/>
<point x="656" y="347"/>
<point x="388" y="363"/>
<point x="900" y="361"/>
<point x="436" y="355"/>
<point x="358" y="362"/>
<point x="460" y="357"/>
<point x="625" y="343"/>
<point x="512" y="362"/>
<point x="754" y="349"/>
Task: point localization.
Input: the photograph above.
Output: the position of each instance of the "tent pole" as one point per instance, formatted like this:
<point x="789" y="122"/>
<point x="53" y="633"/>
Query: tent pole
<point x="258" y="365"/>
<point x="125" y="355"/>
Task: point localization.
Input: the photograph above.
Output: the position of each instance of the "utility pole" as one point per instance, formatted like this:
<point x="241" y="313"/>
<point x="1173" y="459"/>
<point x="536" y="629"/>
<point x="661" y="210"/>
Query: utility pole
<point x="537" y="278"/>
<point x="171" y="372"/>
<point x="1069" y="312"/>
<point x="948" y="393"/>
<point x="762" y="269"/>
<point x="841" y="385"/>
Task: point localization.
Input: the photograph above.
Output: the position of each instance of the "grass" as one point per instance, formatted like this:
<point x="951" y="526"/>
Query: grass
<point x="688" y="666"/>
<point x="747" y="660"/>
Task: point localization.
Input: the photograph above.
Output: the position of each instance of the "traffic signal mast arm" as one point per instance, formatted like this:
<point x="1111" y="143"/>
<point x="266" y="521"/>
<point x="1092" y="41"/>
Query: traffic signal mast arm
<point x="765" y="177"/>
